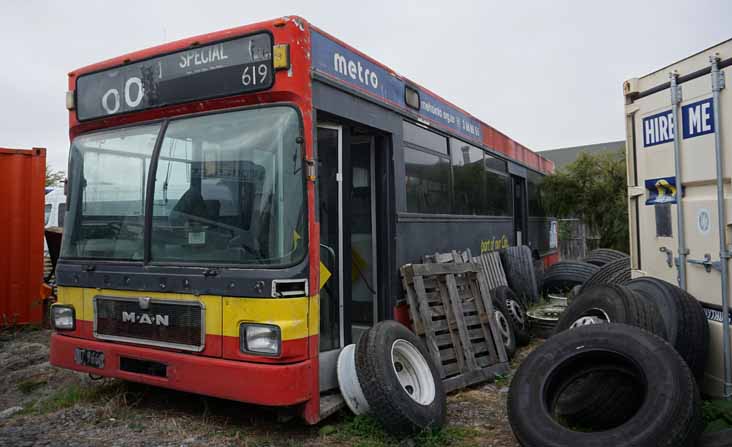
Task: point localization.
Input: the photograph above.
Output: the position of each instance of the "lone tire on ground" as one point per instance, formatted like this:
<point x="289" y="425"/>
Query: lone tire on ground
<point x="664" y="410"/>
<point x="398" y="379"/>
<point x="516" y="313"/>
<point x="686" y="324"/>
<point x="563" y="276"/>
<point x="518" y="263"/>
<point x="602" y="256"/>
<point x="505" y="325"/>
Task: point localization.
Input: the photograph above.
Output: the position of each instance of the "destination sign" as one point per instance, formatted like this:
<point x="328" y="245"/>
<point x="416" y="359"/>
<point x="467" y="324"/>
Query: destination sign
<point x="225" y="68"/>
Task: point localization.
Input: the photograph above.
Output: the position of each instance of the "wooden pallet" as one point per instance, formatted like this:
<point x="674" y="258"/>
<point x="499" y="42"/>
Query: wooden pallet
<point x="451" y="310"/>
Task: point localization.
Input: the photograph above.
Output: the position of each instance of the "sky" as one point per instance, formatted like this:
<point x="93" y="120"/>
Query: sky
<point x="547" y="73"/>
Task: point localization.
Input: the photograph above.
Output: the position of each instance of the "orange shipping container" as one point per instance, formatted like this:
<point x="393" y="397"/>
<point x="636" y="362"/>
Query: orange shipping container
<point x="22" y="195"/>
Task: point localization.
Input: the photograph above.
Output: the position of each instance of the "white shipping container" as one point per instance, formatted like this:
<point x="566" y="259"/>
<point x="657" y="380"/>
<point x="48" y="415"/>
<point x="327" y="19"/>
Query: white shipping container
<point x="675" y="214"/>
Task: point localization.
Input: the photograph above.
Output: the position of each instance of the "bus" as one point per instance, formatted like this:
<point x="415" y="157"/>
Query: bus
<point x="239" y="204"/>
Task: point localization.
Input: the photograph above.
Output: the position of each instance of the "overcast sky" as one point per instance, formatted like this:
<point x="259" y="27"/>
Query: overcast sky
<point x="548" y="74"/>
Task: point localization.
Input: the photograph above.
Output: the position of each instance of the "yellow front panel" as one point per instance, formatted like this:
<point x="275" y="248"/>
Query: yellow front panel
<point x="290" y="314"/>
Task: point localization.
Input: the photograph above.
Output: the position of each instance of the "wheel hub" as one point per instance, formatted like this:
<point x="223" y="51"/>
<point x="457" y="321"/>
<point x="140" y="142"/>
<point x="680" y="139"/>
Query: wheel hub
<point x="413" y="372"/>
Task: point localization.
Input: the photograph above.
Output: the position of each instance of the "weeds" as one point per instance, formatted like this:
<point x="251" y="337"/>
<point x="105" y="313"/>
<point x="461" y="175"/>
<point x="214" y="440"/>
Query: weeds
<point x="74" y="394"/>
<point x="363" y="431"/>
<point x="30" y="385"/>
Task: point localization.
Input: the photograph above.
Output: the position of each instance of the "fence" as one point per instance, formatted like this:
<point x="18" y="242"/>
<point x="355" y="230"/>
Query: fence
<point x="575" y="240"/>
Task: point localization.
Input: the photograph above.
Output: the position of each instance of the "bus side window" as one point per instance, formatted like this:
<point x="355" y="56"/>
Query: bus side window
<point x="663" y="220"/>
<point x="61" y="214"/>
<point x="47" y="213"/>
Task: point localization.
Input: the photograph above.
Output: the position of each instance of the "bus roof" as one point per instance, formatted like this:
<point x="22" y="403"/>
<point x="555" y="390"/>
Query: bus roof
<point x="434" y="110"/>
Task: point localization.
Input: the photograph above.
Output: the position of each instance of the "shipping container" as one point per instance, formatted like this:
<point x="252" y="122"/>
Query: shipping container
<point x="22" y="190"/>
<point x="679" y="187"/>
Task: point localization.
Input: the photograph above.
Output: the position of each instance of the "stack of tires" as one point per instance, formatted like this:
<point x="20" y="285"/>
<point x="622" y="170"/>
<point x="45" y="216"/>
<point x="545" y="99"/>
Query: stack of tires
<point x="569" y="278"/>
<point x="622" y="366"/>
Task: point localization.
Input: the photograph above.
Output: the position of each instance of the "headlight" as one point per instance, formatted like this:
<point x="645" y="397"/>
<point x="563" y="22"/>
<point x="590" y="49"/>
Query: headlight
<point x="262" y="339"/>
<point x="63" y="317"/>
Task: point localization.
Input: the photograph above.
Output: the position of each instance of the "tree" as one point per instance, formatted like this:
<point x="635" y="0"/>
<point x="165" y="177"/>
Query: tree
<point x="54" y="178"/>
<point x="594" y="189"/>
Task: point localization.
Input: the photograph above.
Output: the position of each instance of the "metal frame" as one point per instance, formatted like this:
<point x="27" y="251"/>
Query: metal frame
<point x="724" y="254"/>
<point x="139" y="341"/>
<point x="683" y="251"/>
<point x="339" y="181"/>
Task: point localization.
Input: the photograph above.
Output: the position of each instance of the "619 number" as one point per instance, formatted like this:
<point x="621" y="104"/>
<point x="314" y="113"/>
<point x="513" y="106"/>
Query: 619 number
<point x="254" y="75"/>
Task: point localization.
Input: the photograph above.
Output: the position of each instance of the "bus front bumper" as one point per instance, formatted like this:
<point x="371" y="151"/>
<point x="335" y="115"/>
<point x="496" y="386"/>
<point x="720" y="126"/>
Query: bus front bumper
<point x="263" y="384"/>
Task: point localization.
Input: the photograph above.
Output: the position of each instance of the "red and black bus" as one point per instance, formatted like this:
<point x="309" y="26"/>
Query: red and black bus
<point x="240" y="202"/>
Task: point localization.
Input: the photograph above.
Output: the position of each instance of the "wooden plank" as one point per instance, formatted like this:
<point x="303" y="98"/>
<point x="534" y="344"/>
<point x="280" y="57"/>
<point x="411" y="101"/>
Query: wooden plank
<point x="486" y="318"/>
<point x="470" y="321"/>
<point x="451" y="326"/>
<point x="474" y="334"/>
<point x="417" y="322"/>
<point x="441" y="269"/>
<point x="430" y="340"/>
<point x="457" y="309"/>
<point x="488" y="305"/>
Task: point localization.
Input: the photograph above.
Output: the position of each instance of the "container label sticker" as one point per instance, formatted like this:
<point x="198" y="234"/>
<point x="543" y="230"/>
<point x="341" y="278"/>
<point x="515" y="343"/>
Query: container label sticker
<point x="716" y="315"/>
<point x="697" y="119"/>
<point x="703" y="221"/>
<point x="661" y="191"/>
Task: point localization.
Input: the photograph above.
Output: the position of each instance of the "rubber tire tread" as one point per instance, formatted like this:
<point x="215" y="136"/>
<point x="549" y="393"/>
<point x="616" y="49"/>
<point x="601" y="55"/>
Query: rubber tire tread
<point x="620" y="303"/>
<point x="689" y="332"/>
<point x="522" y="330"/>
<point x="672" y="417"/>
<point x="602" y="256"/>
<point x="613" y="272"/>
<point x="599" y="398"/>
<point x="564" y="275"/>
<point x="390" y="405"/>
<point x="518" y="264"/>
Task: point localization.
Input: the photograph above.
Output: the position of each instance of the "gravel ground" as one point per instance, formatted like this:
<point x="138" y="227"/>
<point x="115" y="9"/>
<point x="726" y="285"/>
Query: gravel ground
<point x="44" y="406"/>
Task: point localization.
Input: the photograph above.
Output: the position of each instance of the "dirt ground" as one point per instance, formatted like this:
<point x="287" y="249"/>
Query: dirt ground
<point x="59" y="407"/>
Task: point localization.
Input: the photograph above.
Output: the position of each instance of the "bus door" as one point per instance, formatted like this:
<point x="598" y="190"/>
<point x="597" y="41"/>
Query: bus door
<point x="519" y="210"/>
<point x="346" y="197"/>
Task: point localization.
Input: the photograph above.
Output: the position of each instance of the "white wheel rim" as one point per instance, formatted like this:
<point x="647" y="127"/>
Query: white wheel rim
<point x="592" y="316"/>
<point x="348" y="381"/>
<point x="502" y="324"/>
<point x="413" y="372"/>
<point x="515" y="309"/>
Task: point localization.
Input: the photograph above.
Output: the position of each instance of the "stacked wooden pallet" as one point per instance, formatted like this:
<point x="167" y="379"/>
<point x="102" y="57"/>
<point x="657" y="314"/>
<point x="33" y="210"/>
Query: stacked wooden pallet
<point x="451" y="309"/>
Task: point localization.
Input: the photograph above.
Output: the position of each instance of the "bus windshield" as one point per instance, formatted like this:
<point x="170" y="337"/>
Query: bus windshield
<point x="228" y="188"/>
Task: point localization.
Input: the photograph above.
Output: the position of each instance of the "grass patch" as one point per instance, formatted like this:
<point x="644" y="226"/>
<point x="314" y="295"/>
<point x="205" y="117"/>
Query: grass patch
<point x="364" y="431"/>
<point x="30" y="385"/>
<point x="717" y="414"/>
<point x="75" y="394"/>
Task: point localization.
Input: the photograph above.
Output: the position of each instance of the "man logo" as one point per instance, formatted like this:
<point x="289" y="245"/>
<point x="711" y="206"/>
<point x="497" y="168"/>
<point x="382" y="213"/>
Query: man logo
<point x="143" y="318"/>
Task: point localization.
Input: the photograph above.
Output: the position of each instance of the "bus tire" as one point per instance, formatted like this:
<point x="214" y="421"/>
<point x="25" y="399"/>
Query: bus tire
<point x="611" y="303"/>
<point x="667" y="406"/>
<point x="516" y="312"/>
<point x="505" y="325"/>
<point x="602" y="256"/>
<point x="518" y="263"/>
<point x="563" y="276"/>
<point x="614" y="272"/>
<point x="406" y="401"/>
<point x="686" y="324"/>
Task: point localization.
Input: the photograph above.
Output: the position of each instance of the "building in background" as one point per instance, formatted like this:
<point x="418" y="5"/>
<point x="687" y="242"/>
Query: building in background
<point x="564" y="156"/>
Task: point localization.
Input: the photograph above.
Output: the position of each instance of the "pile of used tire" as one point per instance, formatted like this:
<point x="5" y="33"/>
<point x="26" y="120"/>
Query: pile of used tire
<point x="621" y="370"/>
<point x="570" y="278"/>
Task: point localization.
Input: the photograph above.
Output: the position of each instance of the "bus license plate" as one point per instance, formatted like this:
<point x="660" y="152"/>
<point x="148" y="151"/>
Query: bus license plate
<point x="87" y="357"/>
